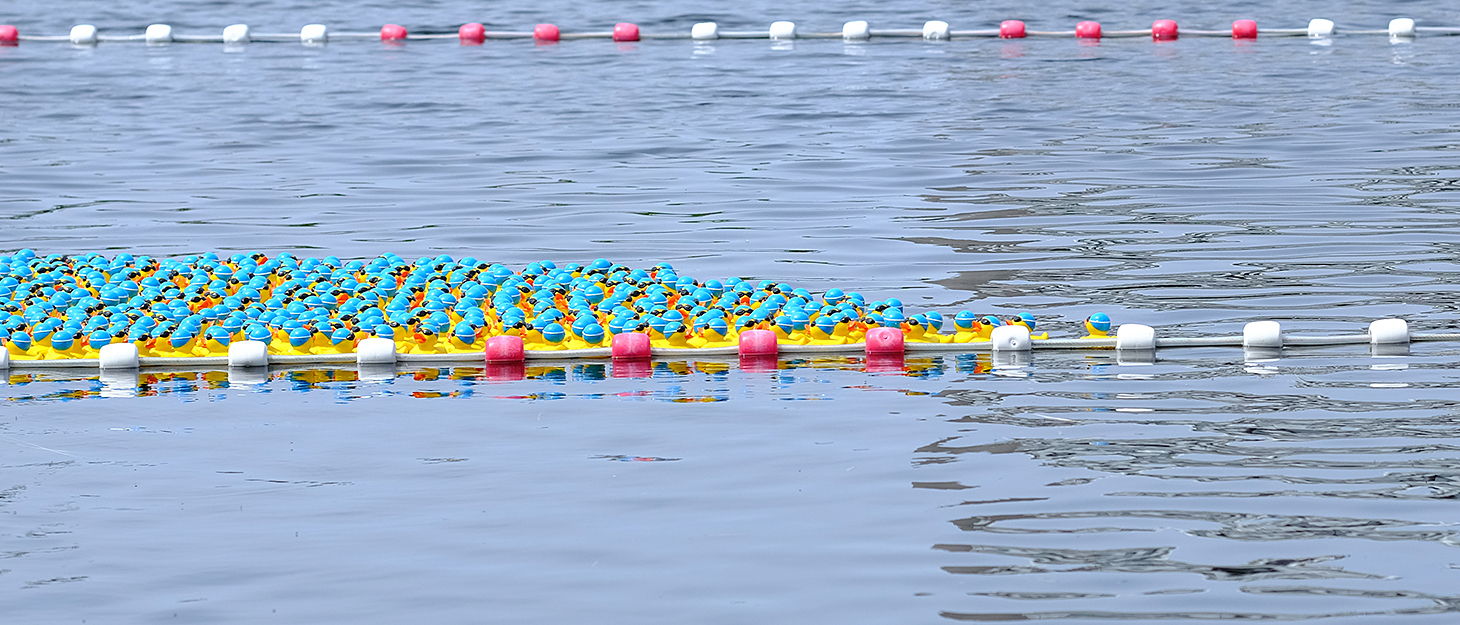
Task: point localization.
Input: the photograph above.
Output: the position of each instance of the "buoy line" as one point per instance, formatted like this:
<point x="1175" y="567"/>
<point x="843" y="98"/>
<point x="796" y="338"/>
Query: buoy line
<point x="856" y="30"/>
<point x="249" y="310"/>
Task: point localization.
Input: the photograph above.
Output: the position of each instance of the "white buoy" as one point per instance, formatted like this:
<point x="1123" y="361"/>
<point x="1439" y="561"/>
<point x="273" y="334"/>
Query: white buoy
<point x="375" y="351"/>
<point x="1135" y="336"/>
<point x="1389" y="332"/>
<point x="935" y="30"/>
<point x="236" y="34"/>
<point x="248" y="354"/>
<point x="4" y="360"/>
<point x="1010" y="339"/>
<point x="704" y="31"/>
<point x="314" y="33"/>
<point x="783" y="30"/>
<point x="1263" y="334"/>
<point x="118" y="356"/>
<point x="1402" y="27"/>
<point x="83" y="34"/>
<point x="159" y="33"/>
<point x="856" y="31"/>
<point x="1319" y="27"/>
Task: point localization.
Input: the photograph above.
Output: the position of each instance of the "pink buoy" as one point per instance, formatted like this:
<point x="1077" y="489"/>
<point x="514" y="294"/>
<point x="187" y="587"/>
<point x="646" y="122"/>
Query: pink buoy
<point x="757" y="343"/>
<point x="9" y="35"/>
<point x="472" y="33"/>
<point x="624" y="31"/>
<point x="392" y="32"/>
<point x="1011" y="29"/>
<point x="885" y="341"/>
<point x="1163" y="30"/>
<point x="631" y="346"/>
<point x="1244" y="29"/>
<point x="1087" y="30"/>
<point x="546" y="32"/>
<point x="505" y="348"/>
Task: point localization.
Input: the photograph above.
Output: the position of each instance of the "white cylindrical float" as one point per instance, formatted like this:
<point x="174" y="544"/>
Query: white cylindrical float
<point x="1262" y="335"/>
<point x="1389" y="332"/>
<point x="248" y="354"/>
<point x="236" y="34"/>
<point x="158" y="34"/>
<point x="857" y="30"/>
<point x="783" y="30"/>
<point x="118" y="356"/>
<point x="1010" y="339"/>
<point x="375" y="351"/>
<point x="314" y="34"/>
<point x="704" y="31"/>
<point x="83" y="34"/>
<point x="4" y="360"/>
<point x="1319" y="27"/>
<point x="1134" y="336"/>
<point x="1401" y="27"/>
<point x="935" y="30"/>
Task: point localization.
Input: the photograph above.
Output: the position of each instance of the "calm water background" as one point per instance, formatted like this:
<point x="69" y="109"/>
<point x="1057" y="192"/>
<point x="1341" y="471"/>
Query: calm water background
<point x="1193" y="185"/>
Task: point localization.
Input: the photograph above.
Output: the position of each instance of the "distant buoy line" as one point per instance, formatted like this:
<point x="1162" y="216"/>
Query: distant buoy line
<point x="250" y="310"/>
<point x="857" y="30"/>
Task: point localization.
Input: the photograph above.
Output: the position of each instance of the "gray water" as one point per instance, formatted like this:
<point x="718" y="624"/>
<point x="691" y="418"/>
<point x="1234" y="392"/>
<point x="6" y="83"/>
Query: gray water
<point x="1191" y="185"/>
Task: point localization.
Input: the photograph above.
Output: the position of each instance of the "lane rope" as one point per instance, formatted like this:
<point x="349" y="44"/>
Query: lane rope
<point x="857" y="30"/>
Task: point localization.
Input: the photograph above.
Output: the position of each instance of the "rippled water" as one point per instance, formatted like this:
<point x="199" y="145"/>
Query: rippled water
<point x="1192" y="185"/>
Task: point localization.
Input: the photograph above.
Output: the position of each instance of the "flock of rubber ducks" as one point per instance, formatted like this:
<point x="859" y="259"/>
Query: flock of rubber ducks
<point x="67" y="307"/>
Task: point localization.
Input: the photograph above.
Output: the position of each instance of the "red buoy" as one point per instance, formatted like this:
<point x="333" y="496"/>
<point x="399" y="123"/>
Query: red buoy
<point x="546" y="32"/>
<point x="1087" y="30"/>
<point x="504" y="349"/>
<point x="757" y="343"/>
<point x="1011" y="29"/>
<point x="1244" y="29"/>
<point x="624" y="31"/>
<point x="1163" y="30"/>
<point x="631" y="346"/>
<point x="9" y="36"/>
<point x="392" y="32"/>
<point x="472" y="33"/>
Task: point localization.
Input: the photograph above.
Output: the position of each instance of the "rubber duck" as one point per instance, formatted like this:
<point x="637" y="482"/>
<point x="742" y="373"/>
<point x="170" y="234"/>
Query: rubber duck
<point x="1027" y="320"/>
<point x="1097" y="326"/>
<point x="966" y="328"/>
<point x="215" y="341"/>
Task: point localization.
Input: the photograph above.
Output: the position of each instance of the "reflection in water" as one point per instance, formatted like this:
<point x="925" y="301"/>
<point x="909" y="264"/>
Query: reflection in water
<point x="1316" y="470"/>
<point x="362" y="382"/>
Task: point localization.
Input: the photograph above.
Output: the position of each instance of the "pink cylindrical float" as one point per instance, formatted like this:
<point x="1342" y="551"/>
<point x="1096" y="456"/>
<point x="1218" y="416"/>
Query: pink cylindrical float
<point x="392" y="32"/>
<point x="757" y="343"/>
<point x="546" y="32"/>
<point x="1011" y="29"/>
<point x="1244" y="29"/>
<point x="885" y="341"/>
<point x="473" y="33"/>
<point x="624" y="31"/>
<point x="1163" y="30"/>
<point x="1087" y="30"/>
<point x="631" y="345"/>
<point x="9" y="35"/>
<point x="505" y="348"/>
